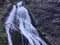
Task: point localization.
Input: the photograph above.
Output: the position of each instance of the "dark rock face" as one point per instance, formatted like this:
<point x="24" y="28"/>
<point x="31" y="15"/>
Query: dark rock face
<point x="45" y="14"/>
<point x="46" y="17"/>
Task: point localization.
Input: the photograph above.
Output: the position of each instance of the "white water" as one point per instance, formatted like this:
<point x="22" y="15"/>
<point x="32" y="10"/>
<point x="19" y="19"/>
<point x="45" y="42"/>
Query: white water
<point x="25" y="27"/>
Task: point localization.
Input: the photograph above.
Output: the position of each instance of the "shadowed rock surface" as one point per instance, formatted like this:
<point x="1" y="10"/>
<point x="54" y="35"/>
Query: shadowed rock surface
<point x="45" y="14"/>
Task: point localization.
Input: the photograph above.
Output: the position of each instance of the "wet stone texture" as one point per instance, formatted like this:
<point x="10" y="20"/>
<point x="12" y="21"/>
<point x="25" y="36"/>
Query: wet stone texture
<point x="45" y="15"/>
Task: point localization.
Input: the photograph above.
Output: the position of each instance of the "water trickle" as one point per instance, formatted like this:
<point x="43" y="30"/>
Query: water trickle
<point x="19" y="20"/>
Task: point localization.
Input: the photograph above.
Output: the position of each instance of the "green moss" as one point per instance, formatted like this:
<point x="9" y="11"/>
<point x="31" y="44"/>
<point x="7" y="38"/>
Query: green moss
<point x="2" y="42"/>
<point x="1" y="26"/>
<point x="2" y="34"/>
<point x="3" y="38"/>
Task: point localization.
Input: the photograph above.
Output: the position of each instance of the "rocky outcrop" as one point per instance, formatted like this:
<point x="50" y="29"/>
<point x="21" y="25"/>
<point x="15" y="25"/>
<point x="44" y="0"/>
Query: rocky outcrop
<point x="45" y="15"/>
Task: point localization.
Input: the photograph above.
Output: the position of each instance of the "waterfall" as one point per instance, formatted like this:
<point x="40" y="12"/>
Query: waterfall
<point x="20" y="21"/>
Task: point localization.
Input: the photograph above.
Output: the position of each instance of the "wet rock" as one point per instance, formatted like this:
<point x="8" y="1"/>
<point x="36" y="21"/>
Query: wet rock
<point x="46" y="14"/>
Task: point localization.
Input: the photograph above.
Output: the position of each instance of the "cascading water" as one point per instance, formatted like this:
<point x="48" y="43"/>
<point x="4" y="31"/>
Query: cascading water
<point x="19" y="20"/>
